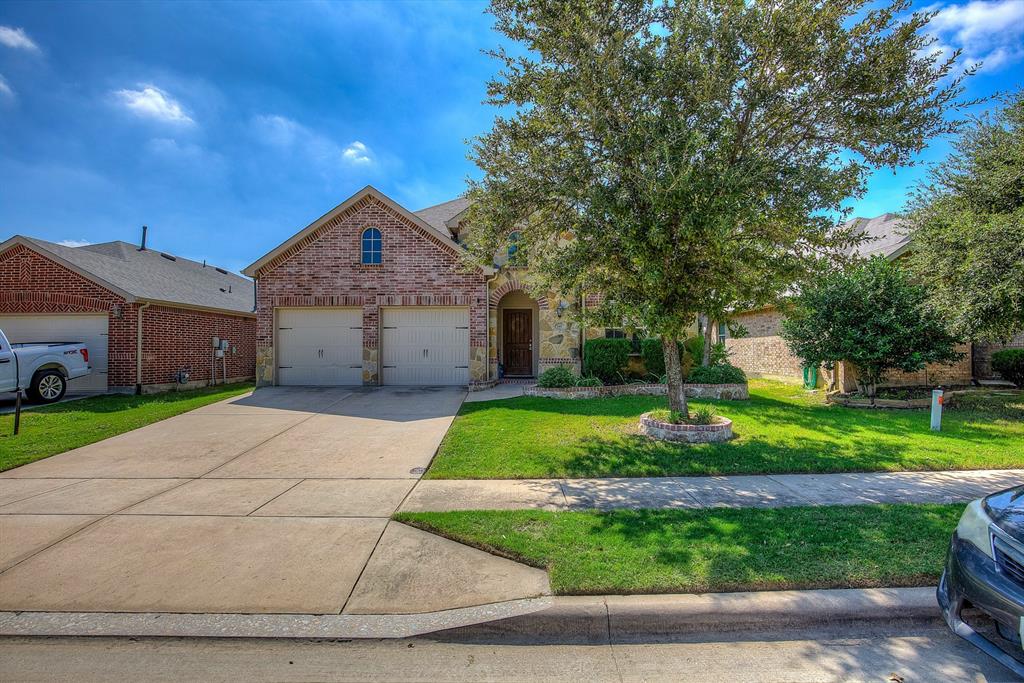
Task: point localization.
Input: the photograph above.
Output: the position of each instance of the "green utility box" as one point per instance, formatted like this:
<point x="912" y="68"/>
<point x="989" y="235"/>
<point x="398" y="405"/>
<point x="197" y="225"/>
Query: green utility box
<point x="810" y="377"/>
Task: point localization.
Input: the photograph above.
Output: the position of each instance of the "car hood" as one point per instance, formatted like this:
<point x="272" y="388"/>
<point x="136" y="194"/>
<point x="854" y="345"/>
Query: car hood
<point x="1006" y="509"/>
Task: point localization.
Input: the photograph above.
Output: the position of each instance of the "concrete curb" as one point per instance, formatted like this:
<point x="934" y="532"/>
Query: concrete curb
<point x="599" y="619"/>
<point x="647" y="618"/>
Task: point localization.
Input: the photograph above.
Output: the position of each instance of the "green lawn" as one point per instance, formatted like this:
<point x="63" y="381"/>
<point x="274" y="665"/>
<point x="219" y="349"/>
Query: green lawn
<point x="60" y="427"/>
<point x="782" y="428"/>
<point x="693" y="551"/>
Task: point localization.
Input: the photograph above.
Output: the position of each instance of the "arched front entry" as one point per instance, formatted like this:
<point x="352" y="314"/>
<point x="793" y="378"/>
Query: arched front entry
<point x="518" y="334"/>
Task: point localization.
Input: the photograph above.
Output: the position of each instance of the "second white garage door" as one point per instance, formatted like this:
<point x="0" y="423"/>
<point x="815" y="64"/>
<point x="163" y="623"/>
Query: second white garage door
<point x="88" y="329"/>
<point x="320" y="346"/>
<point x="425" y="346"/>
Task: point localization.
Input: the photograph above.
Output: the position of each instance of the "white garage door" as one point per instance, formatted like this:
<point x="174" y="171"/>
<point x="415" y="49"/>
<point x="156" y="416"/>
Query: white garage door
<point x="90" y="330"/>
<point x="320" y="346"/>
<point x="425" y="346"/>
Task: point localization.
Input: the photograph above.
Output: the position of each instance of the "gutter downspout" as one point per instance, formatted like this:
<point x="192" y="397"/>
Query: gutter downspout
<point x="138" y="349"/>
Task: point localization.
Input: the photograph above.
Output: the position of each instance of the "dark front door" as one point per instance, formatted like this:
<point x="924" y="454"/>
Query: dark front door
<point x="518" y="342"/>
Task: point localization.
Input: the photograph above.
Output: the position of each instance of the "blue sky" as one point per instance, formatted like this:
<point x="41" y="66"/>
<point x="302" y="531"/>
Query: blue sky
<point x="226" y="127"/>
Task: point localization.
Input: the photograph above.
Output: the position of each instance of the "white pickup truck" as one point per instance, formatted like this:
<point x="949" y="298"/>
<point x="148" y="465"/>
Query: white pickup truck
<point x="41" y="369"/>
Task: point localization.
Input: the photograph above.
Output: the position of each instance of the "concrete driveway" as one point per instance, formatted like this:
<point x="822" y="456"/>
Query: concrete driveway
<point x="276" y="502"/>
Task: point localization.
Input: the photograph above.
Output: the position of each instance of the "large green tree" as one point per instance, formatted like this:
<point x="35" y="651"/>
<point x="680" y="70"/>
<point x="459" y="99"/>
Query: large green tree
<point x="872" y="316"/>
<point x="675" y="156"/>
<point x="967" y="226"/>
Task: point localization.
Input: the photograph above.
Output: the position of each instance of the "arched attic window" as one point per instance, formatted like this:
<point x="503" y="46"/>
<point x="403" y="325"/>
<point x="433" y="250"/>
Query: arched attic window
<point x="371" y="247"/>
<point x="513" y="248"/>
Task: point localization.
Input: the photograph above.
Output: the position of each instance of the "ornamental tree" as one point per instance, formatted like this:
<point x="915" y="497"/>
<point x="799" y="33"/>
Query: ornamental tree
<point x="678" y="156"/>
<point x="872" y="316"/>
<point x="967" y="225"/>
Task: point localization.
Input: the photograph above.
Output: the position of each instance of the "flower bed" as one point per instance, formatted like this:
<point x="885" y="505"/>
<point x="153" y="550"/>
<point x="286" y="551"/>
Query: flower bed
<point x="719" y="430"/>
<point x="736" y="392"/>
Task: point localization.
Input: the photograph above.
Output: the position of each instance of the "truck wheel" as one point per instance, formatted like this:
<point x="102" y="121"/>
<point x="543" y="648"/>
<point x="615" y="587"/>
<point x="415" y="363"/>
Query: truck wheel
<point x="47" y="386"/>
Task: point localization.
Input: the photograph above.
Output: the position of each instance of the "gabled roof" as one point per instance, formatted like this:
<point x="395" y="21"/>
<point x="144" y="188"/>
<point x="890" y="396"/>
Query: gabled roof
<point x="148" y="275"/>
<point x="885" y="236"/>
<point x="441" y="234"/>
<point x="444" y="216"/>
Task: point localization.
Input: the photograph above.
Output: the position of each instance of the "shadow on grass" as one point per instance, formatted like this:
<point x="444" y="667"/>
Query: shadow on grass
<point x="716" y="550"/>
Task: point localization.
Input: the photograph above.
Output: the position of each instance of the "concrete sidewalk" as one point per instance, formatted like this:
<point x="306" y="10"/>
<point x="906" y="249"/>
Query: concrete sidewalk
<point x="703" y="492"/>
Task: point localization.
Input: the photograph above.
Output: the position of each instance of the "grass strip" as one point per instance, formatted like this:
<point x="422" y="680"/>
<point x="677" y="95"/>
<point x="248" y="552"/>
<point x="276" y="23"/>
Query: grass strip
<point x="712" y="550"/>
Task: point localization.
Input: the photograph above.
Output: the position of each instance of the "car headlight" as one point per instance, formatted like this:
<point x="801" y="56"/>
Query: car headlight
<point x="973" y="527"/>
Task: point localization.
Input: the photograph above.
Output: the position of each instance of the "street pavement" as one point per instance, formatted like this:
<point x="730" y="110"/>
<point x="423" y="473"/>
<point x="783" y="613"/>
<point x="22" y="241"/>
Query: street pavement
<point x="918" y="653"/>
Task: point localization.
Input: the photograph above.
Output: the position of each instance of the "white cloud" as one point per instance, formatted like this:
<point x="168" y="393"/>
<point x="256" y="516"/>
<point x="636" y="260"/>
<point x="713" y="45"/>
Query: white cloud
<point x="357" y="153"/>
<point x="987" y="31"/>
<point x="280" y="131"/>
<point x="17" y="38"/>
<point x="74" y="243"/>
<point x="152" y="102"/>
<point x="5" y="89"/>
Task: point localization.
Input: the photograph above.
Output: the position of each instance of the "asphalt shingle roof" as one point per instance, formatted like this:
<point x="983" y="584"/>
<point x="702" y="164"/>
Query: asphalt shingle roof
<point x="884" y="235"/>
<point x="437" y="216"/>
<point x="151" y="275"/>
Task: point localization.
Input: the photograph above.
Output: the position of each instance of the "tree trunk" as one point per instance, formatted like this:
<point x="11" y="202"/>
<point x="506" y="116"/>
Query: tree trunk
<point x="674" y="372"/>
<point x="708" y="330"/>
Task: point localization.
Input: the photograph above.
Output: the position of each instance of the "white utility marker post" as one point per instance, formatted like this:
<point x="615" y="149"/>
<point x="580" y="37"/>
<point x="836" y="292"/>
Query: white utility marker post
<point x="936" y="410"/>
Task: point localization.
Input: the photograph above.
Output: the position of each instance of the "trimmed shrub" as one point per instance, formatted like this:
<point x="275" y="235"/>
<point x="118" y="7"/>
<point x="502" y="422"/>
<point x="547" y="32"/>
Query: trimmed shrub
<point x="652" y="352"/>
<point x="1010" y="364"/>
<point x="557" y="377"/>
<point x="606" y="359"/>
<point x="716" y="374"/>
<point x="589" y="382"/>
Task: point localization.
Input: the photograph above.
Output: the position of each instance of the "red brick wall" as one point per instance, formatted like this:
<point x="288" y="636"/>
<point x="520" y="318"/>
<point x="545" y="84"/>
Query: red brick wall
<point x="31" y="283"/>
<point x="325" y="270"/>
<point x="176" y="339"/>
<point x="173" y="338"/>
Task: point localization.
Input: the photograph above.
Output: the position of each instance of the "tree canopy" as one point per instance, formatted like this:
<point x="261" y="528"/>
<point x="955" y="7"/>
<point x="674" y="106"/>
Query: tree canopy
<point x="682" y="157"/>
<point x="967" y="226"/>
<point x="872" y="316"/>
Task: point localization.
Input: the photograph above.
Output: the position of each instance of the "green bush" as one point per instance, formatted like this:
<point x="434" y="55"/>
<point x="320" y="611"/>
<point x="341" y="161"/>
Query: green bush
<point x="716" y="374"/>
<point x="557" y="378"/>
<point x="654" y="357"/>
<point x="695" y="350"/>
<point x="606" y="359"/>
<point x="1010" y="364"/>
<point x="589" y="382"/>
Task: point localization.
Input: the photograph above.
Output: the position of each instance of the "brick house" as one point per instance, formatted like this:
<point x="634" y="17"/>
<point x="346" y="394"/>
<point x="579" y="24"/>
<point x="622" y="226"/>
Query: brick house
<point x="148" y="318"/>
<point x="763" y="353"/>
<point x="372" y="293"/>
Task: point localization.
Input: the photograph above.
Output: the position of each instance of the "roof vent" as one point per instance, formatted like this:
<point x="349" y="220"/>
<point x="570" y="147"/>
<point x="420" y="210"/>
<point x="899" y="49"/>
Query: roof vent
<point x="220" y="270"/>
<point x="168" y="257"/>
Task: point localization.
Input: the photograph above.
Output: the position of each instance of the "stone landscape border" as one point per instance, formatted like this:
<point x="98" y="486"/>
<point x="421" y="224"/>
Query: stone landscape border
<point x="720" y="430"/>
<point x="730" y="392"/>
<point x="892" y="403"/>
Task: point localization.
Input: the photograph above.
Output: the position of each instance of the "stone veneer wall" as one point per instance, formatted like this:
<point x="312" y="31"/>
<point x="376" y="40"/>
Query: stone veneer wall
<point x="732" y="392"/>
<point x="324" y="270"/>
<point x="558" y="335"/>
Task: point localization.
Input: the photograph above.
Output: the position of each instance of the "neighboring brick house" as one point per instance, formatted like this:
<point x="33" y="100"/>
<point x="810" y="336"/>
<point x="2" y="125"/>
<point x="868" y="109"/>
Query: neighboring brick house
<point x="763" y="353"/>
<point x="99" y="293"/>
<point x="372" y="293"/>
